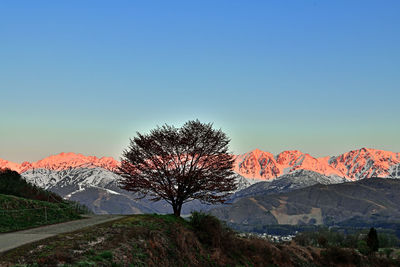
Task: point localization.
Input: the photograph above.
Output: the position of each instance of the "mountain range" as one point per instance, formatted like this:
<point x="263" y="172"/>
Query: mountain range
<point x="91" y="181"/>
<point x="368" y="201"/>
<point x="256" y="164"/>
<point x="353" y="165"/>
<point x="62" y="161"/>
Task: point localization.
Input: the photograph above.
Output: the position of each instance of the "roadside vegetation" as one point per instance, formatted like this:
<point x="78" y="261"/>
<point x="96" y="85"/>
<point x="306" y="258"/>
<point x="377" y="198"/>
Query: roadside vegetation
<point x="20" y="213"/>
<point x="12" y="183"/>
<point x="23" y="205"/>
<point x="167" y="240"/>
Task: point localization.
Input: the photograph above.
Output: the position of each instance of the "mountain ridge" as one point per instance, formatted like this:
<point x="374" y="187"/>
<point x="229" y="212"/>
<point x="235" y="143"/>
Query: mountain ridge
<point x="255" y="164"/>
<point x="368" y="201"/>
<point x="61" y="161"/>
<point x="352" y="165"/>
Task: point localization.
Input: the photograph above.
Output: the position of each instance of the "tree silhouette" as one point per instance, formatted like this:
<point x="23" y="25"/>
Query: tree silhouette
<point x="179" y="165"/>
<point x="372" y="240"/>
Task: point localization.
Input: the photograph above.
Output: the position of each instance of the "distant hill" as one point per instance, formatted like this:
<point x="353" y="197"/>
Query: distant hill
<point x="367" y="200"/>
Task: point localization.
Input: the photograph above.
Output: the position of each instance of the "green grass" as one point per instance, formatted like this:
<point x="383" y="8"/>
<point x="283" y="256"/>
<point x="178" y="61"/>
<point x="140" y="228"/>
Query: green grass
<point x="19" y="213"/>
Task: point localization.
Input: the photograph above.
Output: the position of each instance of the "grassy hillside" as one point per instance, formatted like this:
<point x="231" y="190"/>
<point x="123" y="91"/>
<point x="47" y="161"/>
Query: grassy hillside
<point x="19" y="213"/>
<point x="164" y="240"/>
<point x="12" y="183"/>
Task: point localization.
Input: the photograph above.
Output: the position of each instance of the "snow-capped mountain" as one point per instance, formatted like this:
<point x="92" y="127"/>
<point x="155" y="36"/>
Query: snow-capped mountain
<point x="353" y="165"/>
<point x="255" y="165"/>
<point x="95" y="187"/>
<point x="77" y="177"/>
<point x="90" y="180"/>
<point x="62" y="161"/>
<point x="365" y="163"/>
<point x="286" y="183"/>
<point x="98" y="189"/>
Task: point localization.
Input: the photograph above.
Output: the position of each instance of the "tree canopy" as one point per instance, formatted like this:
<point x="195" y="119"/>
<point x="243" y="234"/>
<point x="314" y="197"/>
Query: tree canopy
<point x="179" y="164"/>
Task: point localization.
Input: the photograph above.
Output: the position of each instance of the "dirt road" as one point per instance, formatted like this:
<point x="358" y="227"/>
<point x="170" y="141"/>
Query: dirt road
<point x="13" y="240"/>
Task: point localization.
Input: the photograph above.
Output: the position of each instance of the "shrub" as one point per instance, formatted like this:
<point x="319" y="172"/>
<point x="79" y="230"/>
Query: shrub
<point x="322" y="241"/>
<point x="363" y="247"/>
<point x="388" y="252"/>
<point x="340" y="256"/>
<point x="107" y="255"/>
<point x="209" y="229"/>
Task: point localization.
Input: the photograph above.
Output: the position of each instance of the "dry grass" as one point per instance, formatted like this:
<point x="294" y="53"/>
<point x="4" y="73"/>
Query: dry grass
<point x="155" y="240"/>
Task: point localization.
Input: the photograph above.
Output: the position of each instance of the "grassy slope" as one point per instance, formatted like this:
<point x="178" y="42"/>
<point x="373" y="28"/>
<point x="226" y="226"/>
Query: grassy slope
<point x="155" y="240"/>
<point x="20" y="213"/>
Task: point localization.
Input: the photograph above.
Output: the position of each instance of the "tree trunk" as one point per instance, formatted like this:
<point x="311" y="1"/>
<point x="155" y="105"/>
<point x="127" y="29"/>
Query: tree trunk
<point x="177" y="209"/>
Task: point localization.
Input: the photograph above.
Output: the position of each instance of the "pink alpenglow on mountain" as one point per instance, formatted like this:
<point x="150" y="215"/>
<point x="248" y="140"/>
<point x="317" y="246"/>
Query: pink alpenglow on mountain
<point x="256" y="164"/>
<point x="5" y="164"/>
<point x="365" y="163"/>
<point x="63" y="161"/>
<point x="353" y="165"/>
<point x="265" y="166"/>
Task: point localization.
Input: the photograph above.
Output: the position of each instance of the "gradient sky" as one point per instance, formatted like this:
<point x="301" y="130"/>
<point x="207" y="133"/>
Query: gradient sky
<point x="322" y="77"/>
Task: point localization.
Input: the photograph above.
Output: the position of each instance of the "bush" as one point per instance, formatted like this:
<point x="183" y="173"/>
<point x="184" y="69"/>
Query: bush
<point x="340" y="256"/>
<point x="388" y="252"/>
<point x="209" y="229"/>
<point x="322" y="241"/>
<point x="107" y="255"/>
<point x="217" y="235"/>
<point x="363" y="247"/>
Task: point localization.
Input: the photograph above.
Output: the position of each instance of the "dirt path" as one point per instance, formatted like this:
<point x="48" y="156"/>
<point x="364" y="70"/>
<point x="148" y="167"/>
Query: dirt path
<point x="12" y="240"/>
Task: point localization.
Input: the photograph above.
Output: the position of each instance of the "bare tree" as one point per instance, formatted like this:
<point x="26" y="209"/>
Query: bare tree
<point x="179" y="165"/>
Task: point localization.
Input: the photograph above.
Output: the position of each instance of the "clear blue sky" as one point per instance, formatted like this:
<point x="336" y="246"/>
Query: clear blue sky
<point x="83" y="76"/>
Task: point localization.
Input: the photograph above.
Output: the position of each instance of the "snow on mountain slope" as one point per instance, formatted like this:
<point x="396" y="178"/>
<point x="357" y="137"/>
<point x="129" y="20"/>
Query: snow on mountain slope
<point x="89" y="179"/>
<point x="286" y="183"/>
<point x="95" y="187"/>
<point x="394" y="171"/>
<point x="5" y="164"/>
<point x="265" y="166"/>
<point x="62" y="161"/>
<point x="353" y="165"/>
<point x="365" y="163"/>
<point x="255" y="165"/>
<point x="71" y="160"/>
<point x="98" y="189"/>
<point x="81" y="177"/>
